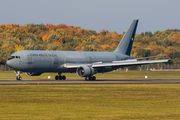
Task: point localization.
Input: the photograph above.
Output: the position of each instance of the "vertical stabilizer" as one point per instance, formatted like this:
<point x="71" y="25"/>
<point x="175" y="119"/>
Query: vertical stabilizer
<point x="125" y="45"/>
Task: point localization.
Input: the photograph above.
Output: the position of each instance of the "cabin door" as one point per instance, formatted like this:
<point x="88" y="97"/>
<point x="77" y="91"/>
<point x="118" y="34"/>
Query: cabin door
<point x="29" y="57"/>
<point x="56" y="59"/>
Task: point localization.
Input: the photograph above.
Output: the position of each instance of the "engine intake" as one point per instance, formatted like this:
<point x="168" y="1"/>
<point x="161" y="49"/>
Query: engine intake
<point x="33" y="73"/>
<point x="85" y="71"/>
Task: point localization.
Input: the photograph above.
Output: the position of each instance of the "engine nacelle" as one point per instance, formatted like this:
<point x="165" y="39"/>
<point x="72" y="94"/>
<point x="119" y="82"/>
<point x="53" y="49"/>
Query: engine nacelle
<point x="85" y="71"/>
<point x="33" y="73"/>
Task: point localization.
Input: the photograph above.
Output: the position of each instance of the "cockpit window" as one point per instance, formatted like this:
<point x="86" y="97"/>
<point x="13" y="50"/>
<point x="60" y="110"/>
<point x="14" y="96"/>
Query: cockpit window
<point x="18" y="57"/>
<point x="12" y="57"/>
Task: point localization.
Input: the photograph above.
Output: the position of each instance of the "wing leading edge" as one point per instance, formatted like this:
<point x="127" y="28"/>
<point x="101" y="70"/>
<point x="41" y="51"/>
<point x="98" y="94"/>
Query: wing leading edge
<point x="117" y="63"/>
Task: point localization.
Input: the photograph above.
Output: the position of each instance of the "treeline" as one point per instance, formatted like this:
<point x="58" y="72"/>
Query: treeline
<point x="69" y="38"/>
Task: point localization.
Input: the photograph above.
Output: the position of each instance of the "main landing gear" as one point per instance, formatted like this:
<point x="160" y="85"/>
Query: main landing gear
<point x="18" y="75"/>
<point x="59" y="77"/>
<point x="90" y="78"/>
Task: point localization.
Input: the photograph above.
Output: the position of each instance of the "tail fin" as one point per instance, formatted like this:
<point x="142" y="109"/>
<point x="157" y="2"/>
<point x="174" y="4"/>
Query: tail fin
<point x="125" y="45"/>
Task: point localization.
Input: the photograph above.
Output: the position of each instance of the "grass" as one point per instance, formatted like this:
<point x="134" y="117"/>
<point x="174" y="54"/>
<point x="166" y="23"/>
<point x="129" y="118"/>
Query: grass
<point x="110" y="75"/>
<point x="114" y="101"/>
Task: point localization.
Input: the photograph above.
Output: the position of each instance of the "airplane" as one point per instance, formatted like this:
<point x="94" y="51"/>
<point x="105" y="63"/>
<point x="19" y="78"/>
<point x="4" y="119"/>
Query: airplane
<point x="83" y="63"/>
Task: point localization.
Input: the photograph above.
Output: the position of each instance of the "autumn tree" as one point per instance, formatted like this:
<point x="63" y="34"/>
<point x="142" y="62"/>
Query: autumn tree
<point x="70" y="38"/>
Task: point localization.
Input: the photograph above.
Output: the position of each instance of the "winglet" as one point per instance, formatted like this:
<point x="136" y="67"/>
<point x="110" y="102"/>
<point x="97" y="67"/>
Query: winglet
<point x="125" y="45"/>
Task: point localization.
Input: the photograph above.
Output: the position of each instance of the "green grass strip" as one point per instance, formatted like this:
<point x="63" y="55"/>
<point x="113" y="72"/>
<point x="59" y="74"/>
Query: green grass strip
<point x="102" y="101"/>
<point x="110" y="75"/>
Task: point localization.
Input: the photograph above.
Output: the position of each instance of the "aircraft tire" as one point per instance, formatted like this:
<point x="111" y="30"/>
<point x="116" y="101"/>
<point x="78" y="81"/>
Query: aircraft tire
<point x="18" y="78"/>
<point x="93" y="78"/>
<point x="64" y="77"/>
<point x="56" y="77"/>
<point x="90" y="78"/>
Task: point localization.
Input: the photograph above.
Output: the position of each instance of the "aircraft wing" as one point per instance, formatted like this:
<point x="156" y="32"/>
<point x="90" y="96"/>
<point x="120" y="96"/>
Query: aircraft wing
<point x="116" y="63"/>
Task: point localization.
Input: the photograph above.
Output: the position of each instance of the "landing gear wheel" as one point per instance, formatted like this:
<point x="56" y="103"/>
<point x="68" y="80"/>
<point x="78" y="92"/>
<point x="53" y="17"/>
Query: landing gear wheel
<point x="56" y="77"/>
<point x="59" y="77"/>
<point x="18" y="78"/>
<point x="92" y="78"/>
<point x="64" y="77"/>
<point x="18" y="75"/>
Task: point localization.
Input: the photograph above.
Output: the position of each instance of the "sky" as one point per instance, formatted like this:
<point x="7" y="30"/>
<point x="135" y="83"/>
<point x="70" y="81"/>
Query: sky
<point x="111" y="15"/>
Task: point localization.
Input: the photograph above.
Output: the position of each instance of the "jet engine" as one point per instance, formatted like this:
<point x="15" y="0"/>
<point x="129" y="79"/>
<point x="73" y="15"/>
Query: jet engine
<point x="85" y="71"/>
<point x="33" y="73"/>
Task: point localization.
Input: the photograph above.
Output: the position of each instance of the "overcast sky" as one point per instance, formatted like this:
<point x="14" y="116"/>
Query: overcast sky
<point x="113" y="15"/>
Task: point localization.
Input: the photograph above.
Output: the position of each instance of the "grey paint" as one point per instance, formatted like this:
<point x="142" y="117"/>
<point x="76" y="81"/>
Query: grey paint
<point x="125" y="45"/>
<point x="46" y="61"/>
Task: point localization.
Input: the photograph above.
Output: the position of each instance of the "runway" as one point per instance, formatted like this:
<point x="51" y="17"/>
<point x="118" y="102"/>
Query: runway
<point x="99" y="81"/>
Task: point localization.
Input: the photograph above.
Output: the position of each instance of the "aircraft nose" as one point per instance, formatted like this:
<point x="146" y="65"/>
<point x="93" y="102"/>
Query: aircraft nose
<point x="8" y="63"/>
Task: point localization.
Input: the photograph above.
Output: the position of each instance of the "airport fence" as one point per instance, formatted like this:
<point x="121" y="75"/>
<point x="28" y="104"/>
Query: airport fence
<point x="5" y="68"/>
<point x="160" y="66"/>
<point x="155" y="67"/>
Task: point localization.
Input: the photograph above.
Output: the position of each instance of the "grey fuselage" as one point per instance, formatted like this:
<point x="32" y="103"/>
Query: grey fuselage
<point x="53" y="61"/>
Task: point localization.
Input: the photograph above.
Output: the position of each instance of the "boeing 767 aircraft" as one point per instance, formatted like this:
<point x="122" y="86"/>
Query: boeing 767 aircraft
<point x="84" y="63"/>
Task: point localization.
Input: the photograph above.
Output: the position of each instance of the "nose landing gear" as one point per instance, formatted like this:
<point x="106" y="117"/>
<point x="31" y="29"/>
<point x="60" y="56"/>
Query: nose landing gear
<point x="59" y="77"/>
<point x="18" y="78"/>
<point x="18" y="75"/>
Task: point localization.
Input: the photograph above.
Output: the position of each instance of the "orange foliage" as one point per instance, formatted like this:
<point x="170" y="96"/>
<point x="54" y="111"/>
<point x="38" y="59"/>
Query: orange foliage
<point x="92" y="37"/>
<point x="138" y="44"/>
<point x="103" y="31"/>
<point x="79" y="48"/>
<point x="170" y="49"/>
<point x="45" y="37"/>
<point x="177" y="36"/>
<point x="84" y="37"/>
<point x="114" y="34"/>
<point x="104" y="46"/>
<point x="8" y="48"/>
<point x="9" y="35"/>
<point x="61" y="26"/>
<point x="114" y="45"/>
<point x="7" y="26"/>
<point x="60" y="41"/>
<point x="71" y="27"/>
<point x="5" y="46"/>
<point x="92" y="46"/>
<point x="49" y="26"/>
<point x="78" y="27"/>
